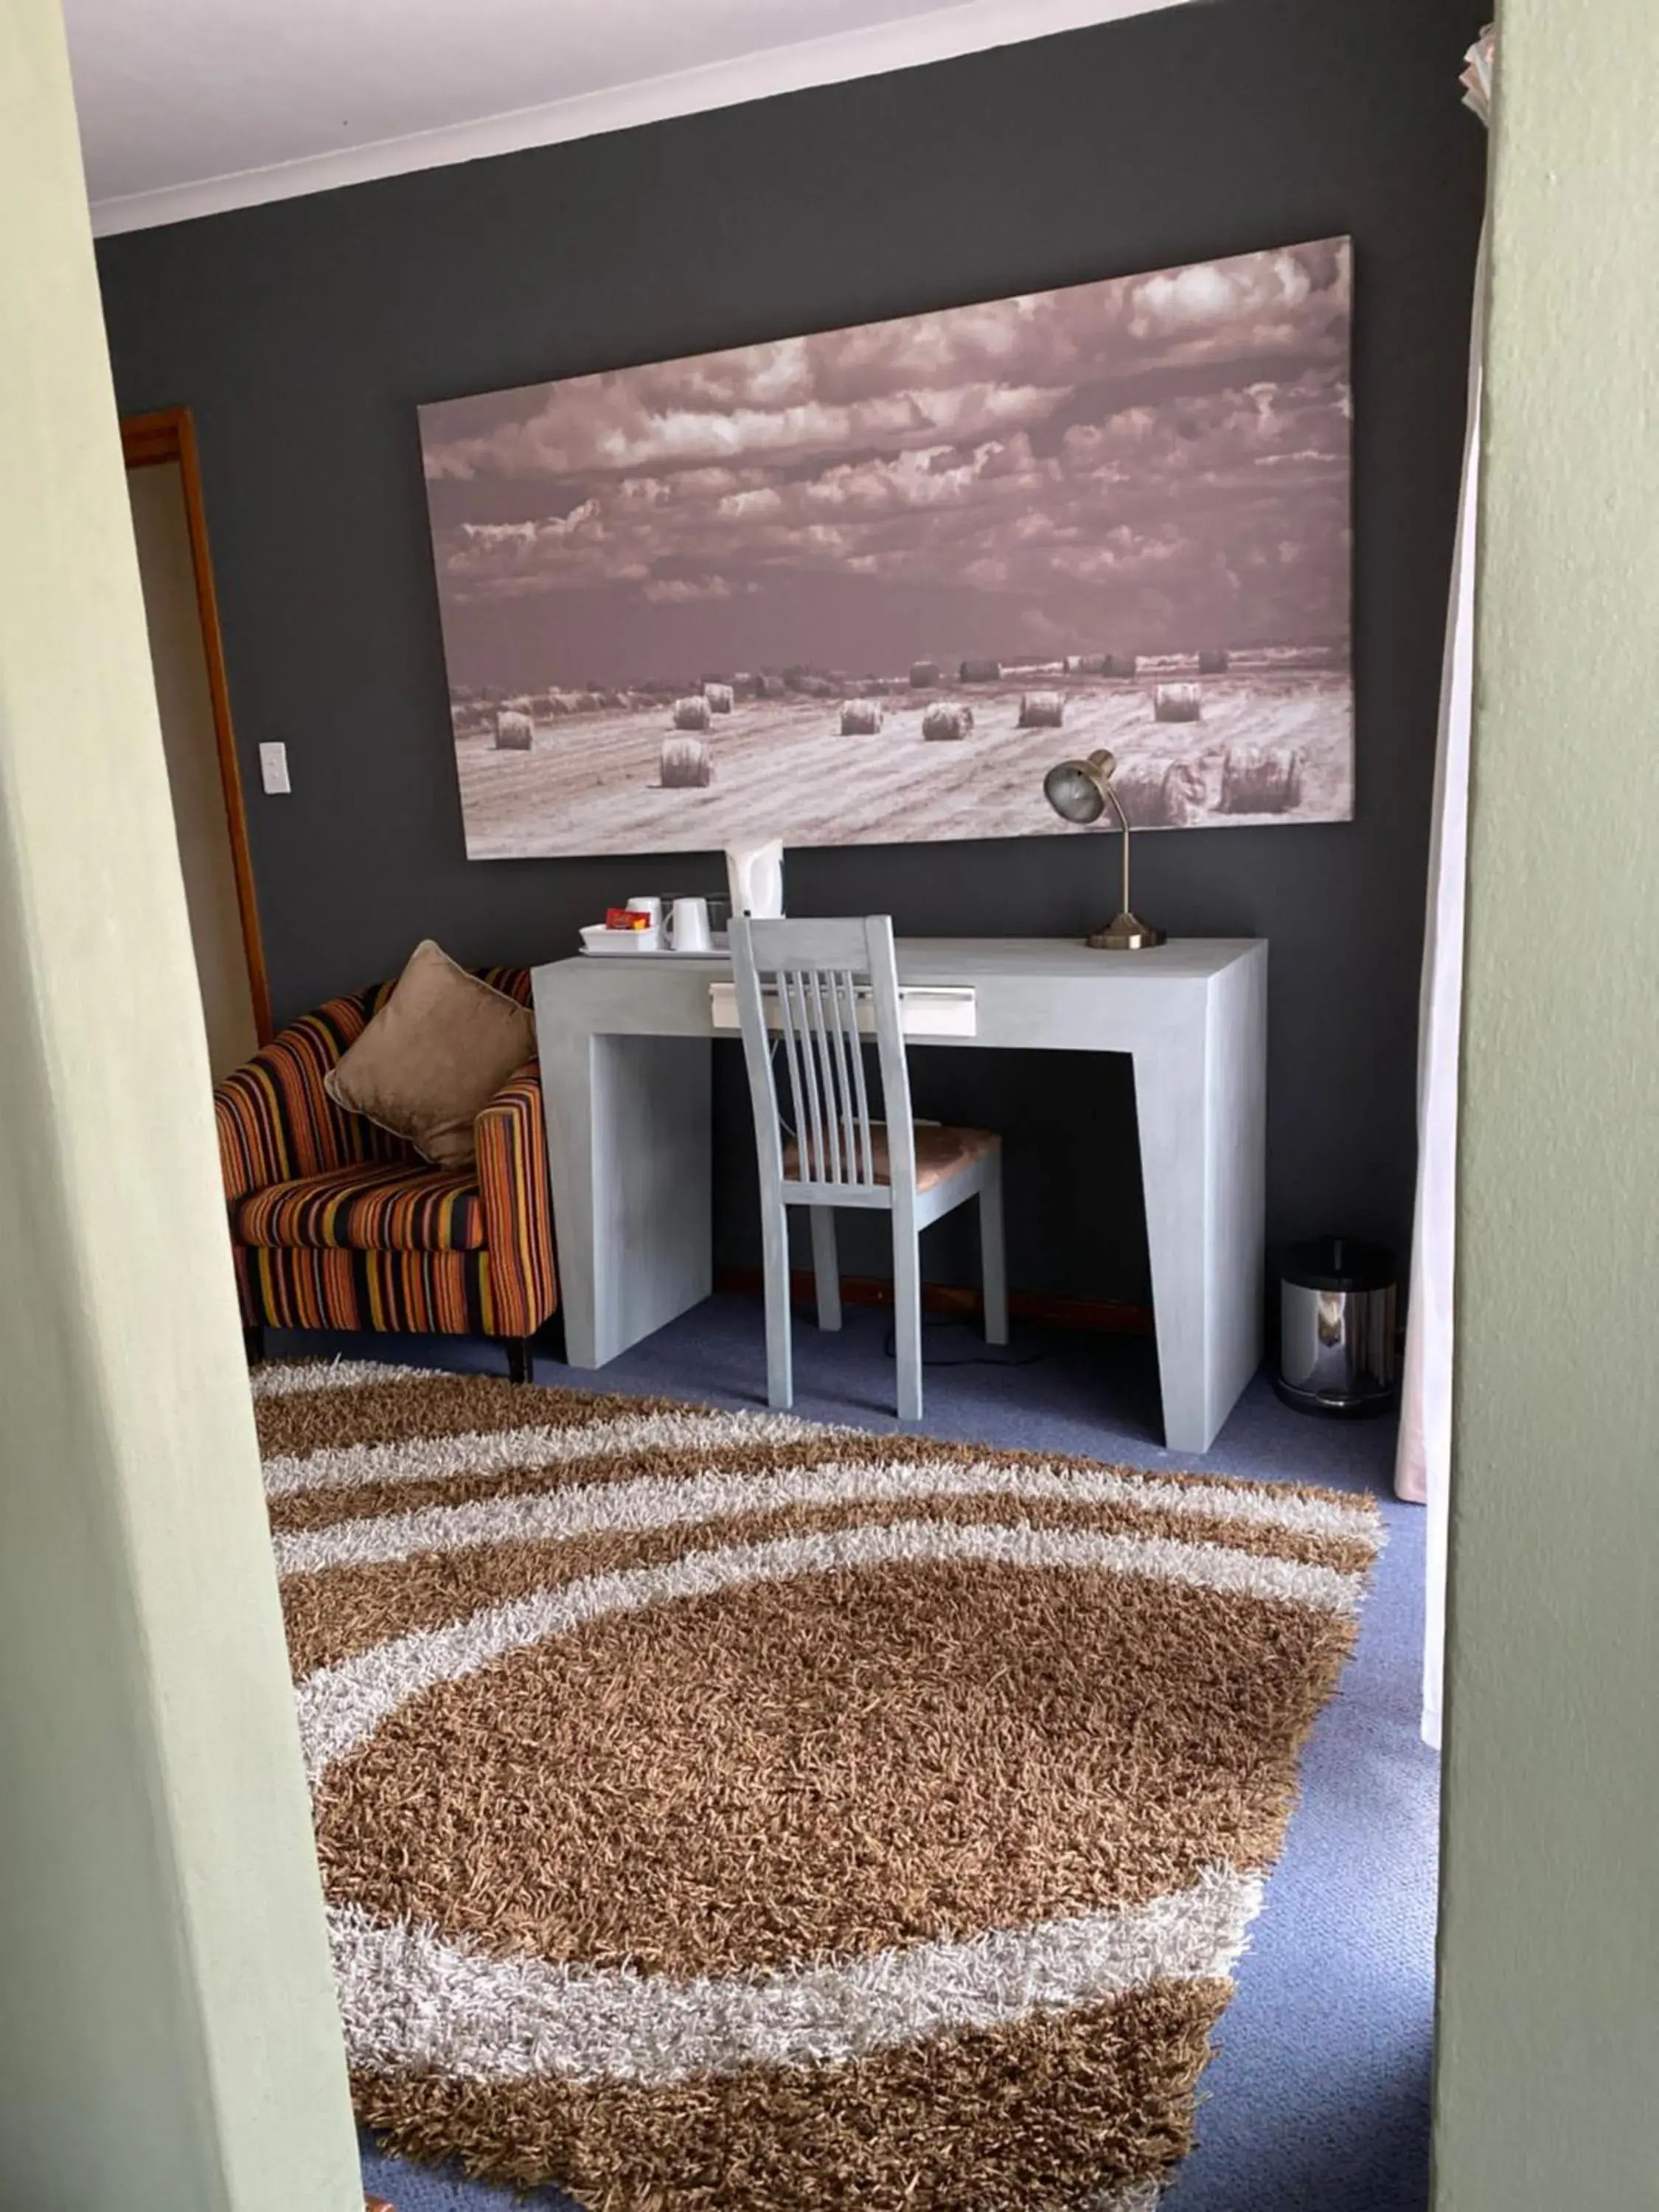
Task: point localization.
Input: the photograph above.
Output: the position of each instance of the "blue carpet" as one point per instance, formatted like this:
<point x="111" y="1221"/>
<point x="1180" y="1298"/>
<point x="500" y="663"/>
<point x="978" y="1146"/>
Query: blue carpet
<point x="1318" y="2098"/>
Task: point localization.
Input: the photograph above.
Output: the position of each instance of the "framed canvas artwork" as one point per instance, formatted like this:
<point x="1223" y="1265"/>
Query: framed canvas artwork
<point x="864" y="586"/>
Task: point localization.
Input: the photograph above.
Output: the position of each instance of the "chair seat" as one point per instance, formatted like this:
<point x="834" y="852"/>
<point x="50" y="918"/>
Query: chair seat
<point x="367" y="1207"/>
<point x="941" y="1153"/>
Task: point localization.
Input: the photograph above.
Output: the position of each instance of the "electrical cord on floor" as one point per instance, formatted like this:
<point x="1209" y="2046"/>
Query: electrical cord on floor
<point x="995" y="1355"/>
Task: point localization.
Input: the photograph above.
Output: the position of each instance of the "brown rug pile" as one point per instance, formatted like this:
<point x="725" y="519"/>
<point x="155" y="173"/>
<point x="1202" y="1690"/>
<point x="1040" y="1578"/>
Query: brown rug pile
<point x="721" y="1811"/>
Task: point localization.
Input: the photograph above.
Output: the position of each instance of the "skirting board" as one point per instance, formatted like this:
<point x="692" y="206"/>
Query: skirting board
<point x="961" y="1303"/>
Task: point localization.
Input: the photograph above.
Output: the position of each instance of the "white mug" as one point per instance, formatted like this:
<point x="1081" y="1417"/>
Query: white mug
<point x="688" y="925"/>
<point x="648" y="906"/>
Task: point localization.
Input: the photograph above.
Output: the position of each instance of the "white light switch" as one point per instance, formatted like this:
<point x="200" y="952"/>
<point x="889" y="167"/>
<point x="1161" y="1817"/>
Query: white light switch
<point x="273" y="768"/>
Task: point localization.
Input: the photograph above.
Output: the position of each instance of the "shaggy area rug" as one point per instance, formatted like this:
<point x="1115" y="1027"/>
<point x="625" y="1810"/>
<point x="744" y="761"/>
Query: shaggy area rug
<point x="729" y="1813"/>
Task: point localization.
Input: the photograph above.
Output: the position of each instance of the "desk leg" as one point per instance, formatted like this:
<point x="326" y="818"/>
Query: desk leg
<point x="1200" y="1099"/>
<point x="628" y="1144"/>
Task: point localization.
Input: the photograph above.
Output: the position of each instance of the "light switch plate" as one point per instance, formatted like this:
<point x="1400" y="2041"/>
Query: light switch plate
<point x="273" y="768"/>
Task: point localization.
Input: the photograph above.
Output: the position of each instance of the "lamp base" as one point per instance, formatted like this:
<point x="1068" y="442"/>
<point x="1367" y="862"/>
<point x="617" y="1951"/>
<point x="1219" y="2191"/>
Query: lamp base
<point x="1126" y="934"/>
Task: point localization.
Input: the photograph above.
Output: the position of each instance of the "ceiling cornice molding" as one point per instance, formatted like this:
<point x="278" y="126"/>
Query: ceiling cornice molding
<point x="941" y="34"/>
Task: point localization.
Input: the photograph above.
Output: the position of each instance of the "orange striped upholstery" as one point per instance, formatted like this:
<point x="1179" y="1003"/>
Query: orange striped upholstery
<point x="276" y="1120"/>
<point x="337" y="1224"/>
<point x="434" y="1293"/>
<point x="370" y="1209"/>
<point x="512" y="1171"/>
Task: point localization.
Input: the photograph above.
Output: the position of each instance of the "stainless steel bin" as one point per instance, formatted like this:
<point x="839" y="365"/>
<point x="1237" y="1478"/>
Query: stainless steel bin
<point x="1337" y="1350"/>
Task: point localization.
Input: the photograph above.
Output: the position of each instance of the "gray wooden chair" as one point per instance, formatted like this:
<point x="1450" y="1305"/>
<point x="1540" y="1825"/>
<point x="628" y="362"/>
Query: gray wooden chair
<point x="798" y="990"/>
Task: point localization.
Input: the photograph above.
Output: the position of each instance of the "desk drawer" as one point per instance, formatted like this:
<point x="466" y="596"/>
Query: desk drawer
<point x="926" y="1009"/>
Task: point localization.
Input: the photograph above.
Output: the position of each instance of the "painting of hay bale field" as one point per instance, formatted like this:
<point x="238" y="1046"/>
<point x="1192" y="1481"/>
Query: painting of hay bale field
<point x="865" y="587"/>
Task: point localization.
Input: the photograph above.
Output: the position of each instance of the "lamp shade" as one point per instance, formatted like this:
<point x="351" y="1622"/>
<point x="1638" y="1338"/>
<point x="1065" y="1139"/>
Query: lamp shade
<point x="1078" y="790"/>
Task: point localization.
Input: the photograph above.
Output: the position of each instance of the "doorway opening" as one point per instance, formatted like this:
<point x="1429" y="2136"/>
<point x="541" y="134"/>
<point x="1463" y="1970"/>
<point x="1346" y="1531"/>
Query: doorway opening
<point x="181" y="613"/>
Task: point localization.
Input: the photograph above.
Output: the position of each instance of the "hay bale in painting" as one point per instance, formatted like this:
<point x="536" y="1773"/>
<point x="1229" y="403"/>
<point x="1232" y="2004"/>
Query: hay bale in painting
<point x="1041" y="710"/>
<point x="1261" y="780"/>
<point x="745" y="686"/>
<point x="692" y="713"/>
<point x="981" y="672"/>
<point x="1178" y="702"/>
<point x="1212" y="663"/>
<point x="686" y="765"/>
<point x="1157" y="796"/>
<point x="861" y="718"/>
<point x="514" y="732"/>
<point x="924" y="674"/>
<point x="1102" y="664"/>
<point x="719" y="697"/>
<point x="944" y="722"/>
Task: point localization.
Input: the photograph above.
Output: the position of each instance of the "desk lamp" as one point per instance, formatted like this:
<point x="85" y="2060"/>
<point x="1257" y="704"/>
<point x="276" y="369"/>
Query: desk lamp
<point x="1078" y="791"/>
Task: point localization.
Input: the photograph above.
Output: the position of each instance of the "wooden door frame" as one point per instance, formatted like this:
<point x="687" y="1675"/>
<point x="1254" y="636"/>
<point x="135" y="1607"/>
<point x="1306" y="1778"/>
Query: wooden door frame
<point x="147" y="440"/>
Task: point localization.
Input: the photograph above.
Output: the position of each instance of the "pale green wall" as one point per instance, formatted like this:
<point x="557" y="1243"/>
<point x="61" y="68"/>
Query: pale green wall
<point x="1548" y="2090"/>
<point x="167" y="2038"/>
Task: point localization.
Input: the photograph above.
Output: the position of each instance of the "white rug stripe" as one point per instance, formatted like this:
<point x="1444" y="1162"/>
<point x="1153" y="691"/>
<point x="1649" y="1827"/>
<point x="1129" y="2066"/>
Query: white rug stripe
<point x="675" y="1501"/>
<point x="412" y="1999"/>
<point x="341" y="1706"/>
<point x="525" y="1451"/>
<point x="288" y="1378"/>
<point x="1140" y="2197"/>
<point x="518" y="1451"/>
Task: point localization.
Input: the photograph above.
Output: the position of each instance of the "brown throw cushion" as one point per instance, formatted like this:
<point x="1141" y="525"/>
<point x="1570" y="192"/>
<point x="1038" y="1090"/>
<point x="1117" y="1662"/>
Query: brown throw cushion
<point x="434" y="1057"/>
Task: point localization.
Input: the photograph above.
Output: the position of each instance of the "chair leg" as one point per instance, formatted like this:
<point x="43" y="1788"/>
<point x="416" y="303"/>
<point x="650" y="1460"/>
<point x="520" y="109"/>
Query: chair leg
<point x="907" y="1313"/>
<point x="520" y="1360"/>
<point x="993" y="1253"/>
<point x="780" y="1364"/>
<point x="824" y="1267"/>
<point x="253" y="1342"/>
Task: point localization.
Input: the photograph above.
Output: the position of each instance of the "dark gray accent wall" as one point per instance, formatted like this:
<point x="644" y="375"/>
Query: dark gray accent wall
<point x="302" y="334"/>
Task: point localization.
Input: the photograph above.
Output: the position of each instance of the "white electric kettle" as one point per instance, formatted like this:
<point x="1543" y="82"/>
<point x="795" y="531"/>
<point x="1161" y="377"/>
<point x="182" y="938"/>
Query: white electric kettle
<point x="756" y="875"/>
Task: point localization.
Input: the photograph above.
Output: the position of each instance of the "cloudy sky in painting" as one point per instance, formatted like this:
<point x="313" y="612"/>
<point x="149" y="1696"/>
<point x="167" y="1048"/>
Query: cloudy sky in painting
<point x="1151" y="463"/>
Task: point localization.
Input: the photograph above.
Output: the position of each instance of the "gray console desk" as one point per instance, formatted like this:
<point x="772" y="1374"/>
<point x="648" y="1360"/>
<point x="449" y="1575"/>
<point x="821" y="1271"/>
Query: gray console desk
<point x="625" y="1070"/>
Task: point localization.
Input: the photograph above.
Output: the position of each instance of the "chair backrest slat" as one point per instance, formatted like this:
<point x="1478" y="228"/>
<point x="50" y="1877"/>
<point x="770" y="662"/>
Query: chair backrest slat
<point x="861" y="1096"/>
<point x="815" y="1142"/>
<point x="809" y="976"/>
<point x="826" y="1029"/>
<point x="836" y="1039"/>
<point x="790" y="1032"/>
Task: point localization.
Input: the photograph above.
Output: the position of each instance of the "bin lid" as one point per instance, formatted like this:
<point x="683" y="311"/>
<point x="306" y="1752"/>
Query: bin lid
<point x="1338" y="1263"/>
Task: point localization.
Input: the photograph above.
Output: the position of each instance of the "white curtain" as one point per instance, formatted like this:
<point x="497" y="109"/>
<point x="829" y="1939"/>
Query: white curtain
<point x="1423" y="1472"/>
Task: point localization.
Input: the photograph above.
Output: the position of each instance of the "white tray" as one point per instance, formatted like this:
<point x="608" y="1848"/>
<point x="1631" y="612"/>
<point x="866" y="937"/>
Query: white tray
<point x="654" y="952"/>
<point x="602" y="944"/>
<point x="609" y="943"/>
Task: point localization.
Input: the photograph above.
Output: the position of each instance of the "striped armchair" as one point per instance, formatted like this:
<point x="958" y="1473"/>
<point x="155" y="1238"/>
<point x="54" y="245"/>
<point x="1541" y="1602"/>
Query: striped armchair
<point x="337" y="1224"/>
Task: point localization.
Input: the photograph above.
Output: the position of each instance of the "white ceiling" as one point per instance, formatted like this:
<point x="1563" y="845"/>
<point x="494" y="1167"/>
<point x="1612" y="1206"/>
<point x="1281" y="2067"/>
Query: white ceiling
<point x="191" y="106"/>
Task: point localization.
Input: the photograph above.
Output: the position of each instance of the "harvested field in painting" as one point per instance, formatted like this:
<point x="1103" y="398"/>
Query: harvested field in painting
<point x="592" y="780"/>
<point x="866" y="586"/>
